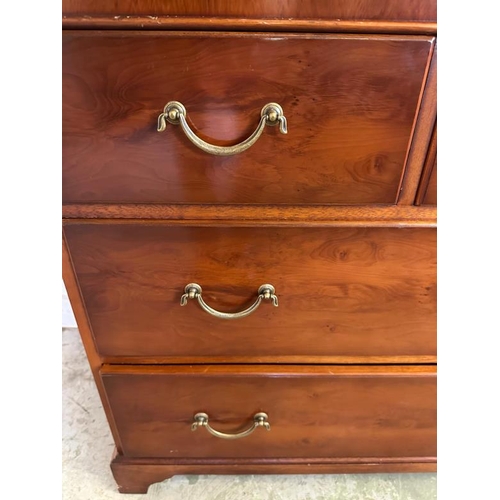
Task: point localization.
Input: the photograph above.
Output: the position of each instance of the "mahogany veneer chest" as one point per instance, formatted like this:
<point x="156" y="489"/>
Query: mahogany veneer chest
<point x="249" y="232"/>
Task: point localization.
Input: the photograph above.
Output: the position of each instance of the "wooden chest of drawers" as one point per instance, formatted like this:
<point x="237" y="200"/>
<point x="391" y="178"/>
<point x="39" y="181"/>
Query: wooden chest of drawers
<point x="249" y="219"/>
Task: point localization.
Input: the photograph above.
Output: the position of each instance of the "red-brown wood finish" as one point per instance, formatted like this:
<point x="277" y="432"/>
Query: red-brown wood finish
<point x="314" y="411"/>
<point x="421" y="136"/>
<point x="342" y="291"/>
<point x="158" y="23"/>
<point x="339" y="215"/>
<point x="398" y="10"/>
<point x="253" y="215"/>
<point x="430" y="197"/>
<point x="427" y="191"/>
<point x="350" y="116"/>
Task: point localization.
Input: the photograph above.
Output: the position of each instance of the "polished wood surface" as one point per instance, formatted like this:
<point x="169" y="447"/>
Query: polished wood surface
<point x="431" y="193"/>
<point x="350" y="116"/>
<point x="421" y="136"/>
<point x="135" y="475"/>
<point x="342" y="291"/>
<point x="368" y="359"/>
<point x="253" y="215"/>
<point x="314" y="411"/>
<point x="339" y="215"/>
<point x="263" y="370"/>
<point x="423" y="10"/>
<point x="427" y="190"/>
<point x="143" y="22"/>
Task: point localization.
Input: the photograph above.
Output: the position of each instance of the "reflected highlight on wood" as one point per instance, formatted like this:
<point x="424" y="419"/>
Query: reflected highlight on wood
<point x="342" y="291"/>
<point x="350" y="116"/>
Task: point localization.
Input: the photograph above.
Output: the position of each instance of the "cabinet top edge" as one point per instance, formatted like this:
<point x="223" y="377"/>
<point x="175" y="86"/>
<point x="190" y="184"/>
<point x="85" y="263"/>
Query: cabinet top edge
<point x="173" y="23"/>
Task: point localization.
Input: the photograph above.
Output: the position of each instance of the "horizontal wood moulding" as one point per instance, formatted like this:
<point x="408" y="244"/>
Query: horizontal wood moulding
<point x="409" y="10"/>
<point x="300" y="360"/>
<point x="274" y="371"/>
<point x="231" y="24"/>
<point x="243" y="215"/>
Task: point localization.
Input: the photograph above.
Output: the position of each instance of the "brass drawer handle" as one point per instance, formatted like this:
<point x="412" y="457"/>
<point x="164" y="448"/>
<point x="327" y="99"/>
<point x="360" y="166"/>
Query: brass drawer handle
<point x="193" y="291"/>
<point x="259" y="420"/>
<point x="175" y="113"/>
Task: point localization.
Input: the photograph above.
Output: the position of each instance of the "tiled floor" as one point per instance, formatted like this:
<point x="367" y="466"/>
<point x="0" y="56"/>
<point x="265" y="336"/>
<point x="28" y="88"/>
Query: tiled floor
<point x="87" y="449"/>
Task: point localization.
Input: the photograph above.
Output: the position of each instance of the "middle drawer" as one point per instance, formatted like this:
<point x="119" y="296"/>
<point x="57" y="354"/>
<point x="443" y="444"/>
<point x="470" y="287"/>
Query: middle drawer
<point x="363" y="293"/>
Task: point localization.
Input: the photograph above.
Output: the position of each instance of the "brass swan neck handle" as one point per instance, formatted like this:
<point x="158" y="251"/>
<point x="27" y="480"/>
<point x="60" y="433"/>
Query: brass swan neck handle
<point x="259" y="420"/>
<point x="193" y="291"/>
<point x="175" y="113"/>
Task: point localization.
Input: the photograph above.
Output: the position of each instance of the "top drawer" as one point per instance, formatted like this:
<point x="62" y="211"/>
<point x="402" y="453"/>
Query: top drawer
<point x="350" y="103"/>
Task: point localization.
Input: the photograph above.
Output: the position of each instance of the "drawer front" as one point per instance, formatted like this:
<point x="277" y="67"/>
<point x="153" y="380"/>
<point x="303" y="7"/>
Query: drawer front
<point x="341" y="291"/>
<point x="313" y="412"/>
<point x="350" y="103"/>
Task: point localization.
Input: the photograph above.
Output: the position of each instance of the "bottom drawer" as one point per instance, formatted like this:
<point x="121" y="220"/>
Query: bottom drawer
<point x="312" y="411"/>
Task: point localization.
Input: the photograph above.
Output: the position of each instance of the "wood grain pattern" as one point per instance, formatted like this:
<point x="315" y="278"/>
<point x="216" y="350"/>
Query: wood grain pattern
<point x="338" y="215"/>
<point x="143" y="22"/>
<point x="421" y="137"/>
<point x="264" y="370"/>
<point x="257" y="215"/>
<point x="427" y="189"/>
<point x="136" y="475"/>
<point x="423" y="10"/>
<point x="342" y="291"/>
<point x="431" y="192"/>
<point x="319" y="412"/>
<point x="350" y="116"/>
<point x="297" y="360"/>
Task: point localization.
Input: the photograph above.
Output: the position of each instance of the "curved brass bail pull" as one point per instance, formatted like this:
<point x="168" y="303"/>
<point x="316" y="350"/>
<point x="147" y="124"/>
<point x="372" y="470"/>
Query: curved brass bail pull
<point x="259" y="420"/>
<point x="193" y="291"/>
<point x="175" y="113"/>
